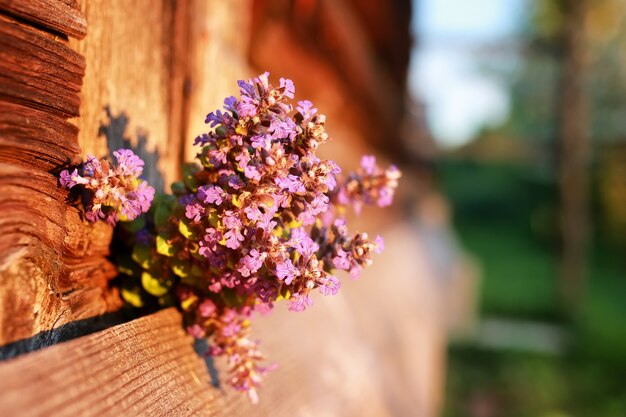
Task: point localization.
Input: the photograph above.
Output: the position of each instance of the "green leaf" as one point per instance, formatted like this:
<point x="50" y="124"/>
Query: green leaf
<point x="152" y="285"/>
<point x="189" y="176"/>
<point x="142" y="254"/>
<point x="135" y="225"/>
<point x="132" y="296"/>
<point x="161" y="216"/>
<point x="181" y="268"/>
<point x="185" y="229"/>
<point x="163" y="247"/>
<point x="179" y="188"/>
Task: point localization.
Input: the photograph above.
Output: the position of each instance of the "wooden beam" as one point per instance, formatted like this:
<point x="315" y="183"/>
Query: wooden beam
<point x="37" y="71"/>
<point x="62" y="16"/>
<point x="146" y="367"/>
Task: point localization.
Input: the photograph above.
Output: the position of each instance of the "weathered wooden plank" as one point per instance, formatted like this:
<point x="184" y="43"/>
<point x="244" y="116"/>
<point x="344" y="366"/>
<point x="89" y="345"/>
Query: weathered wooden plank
<point x="35" y="139"/>
<point x="63" y="16"/>
<point x="218" y="57"/>
<point x="52" y="264"/>
<point x="131" y="59"/>
<point x="37" y="71"/>
<point x="143" y="368"/>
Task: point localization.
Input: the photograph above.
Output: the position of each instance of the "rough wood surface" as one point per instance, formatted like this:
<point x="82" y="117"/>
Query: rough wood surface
<point x="53" y="267"/>
<point x="134" y="54"/>
<point x="38" y="71"/>
<point x="52" y="264"/>
<point x="62" y="16"/>
<point x="143" y="368"/>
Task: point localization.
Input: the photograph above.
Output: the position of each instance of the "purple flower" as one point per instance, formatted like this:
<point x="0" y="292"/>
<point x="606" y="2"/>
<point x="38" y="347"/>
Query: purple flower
<point x="211" y="194"/>
<point x="282" y="129"/>
<point x="194" y="211"/>
<point x="253" y="213"/>
<point x="342" y="260"/>
<point x="302" y="243"/>
<point x="299" y="302"/>
<point x="329" y="285"/>
<point x="306" y="109"/>
<point x="251" y="263"/>
<point x="207" y="308"/>
<point x="196" y="331"/>
<point x="128" y="162"/>
<point x="368" y="164"/>
<point x="379" y="244"/>
<point x="261" y="141"/>
<point x="292" y="184"/>
<point x="230" y="104"/>
<point x="233" y="238"/>
<point x="231" y="220"/>
<point x="266" y="222"/>
<point x="252" y="173"/>
<point x="242" y="159"/>
<point x="67" y="180"/>
<point x="286" y="271"/>
<point x="288" y="88"/>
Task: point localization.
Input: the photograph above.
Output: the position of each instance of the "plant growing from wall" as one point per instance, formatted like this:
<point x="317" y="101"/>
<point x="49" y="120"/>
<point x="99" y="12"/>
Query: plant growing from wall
<point x="256" y="220"/>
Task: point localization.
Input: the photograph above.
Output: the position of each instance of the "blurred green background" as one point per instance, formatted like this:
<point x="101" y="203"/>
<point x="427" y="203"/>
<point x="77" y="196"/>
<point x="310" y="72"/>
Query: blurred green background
<point x="538" y="351"/>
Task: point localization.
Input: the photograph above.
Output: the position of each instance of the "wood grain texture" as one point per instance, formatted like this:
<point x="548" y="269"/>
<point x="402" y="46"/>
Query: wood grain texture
<point x="143" y="368"/>
<point x="218" y="57"/>
<point x="134" y="68"/>
<point x="53" y="267"/>
<point x="52" y="263"/>
<point x="36" y="139"/>
<point x="38" y="71"/>
<point x="62" y="16"/>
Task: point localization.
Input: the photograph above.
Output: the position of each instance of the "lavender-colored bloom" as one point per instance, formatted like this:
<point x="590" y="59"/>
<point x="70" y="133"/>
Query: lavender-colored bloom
<point x="207" y="308"/>
<point x="292" y="184"/>
<point x="266" y="222"/>
<point x="242" y="159"/>
<point x="231" y="220"/>
<point x="235" y="182"/>
<point x="385" y="197"/>
<point x="379" y="244"/>
<point x="230" y="104"/>
<point x="282" y="129"/>
<point x="368" y="164"/>
<point x="128" y="163"/>
<point x="67" y="180"/>
<point x="247" y="107"/>
<point x="211" y="194"/>
<point x="306" y="109"/>
<point x="218" y="157"/>
<point x="263" y="141"/>
<point x="196" y="331"/>
<point x="342" y="260"/>
<point x="233" y="238"/>
<point x="299" y="302"/>
<point x="329" y="285"/>
<point x="252" y="173"/>
<point x="194" y="211"/>
<point x="302" y="243"/>
<point x="288" y="88"/>
<point x="253" y="213"/>
<point x="286" y="271"/>
<point x="252" y="262"/>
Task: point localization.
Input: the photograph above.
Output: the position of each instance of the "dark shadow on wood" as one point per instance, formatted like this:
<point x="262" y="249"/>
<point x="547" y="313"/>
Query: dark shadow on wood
<point x="201" y="347"/>
<point x="63" y="333"/>
<point x="114" y="130"/>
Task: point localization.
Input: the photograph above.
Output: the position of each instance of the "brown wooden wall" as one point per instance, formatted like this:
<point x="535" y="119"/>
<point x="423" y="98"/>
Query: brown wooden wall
<point x="80" y="77"/>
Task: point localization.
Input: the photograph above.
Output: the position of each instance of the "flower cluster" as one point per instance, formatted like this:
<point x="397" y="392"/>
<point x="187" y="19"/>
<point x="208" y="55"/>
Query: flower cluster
<point x="254" y="222"/>
<point x="111" y="193"/>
